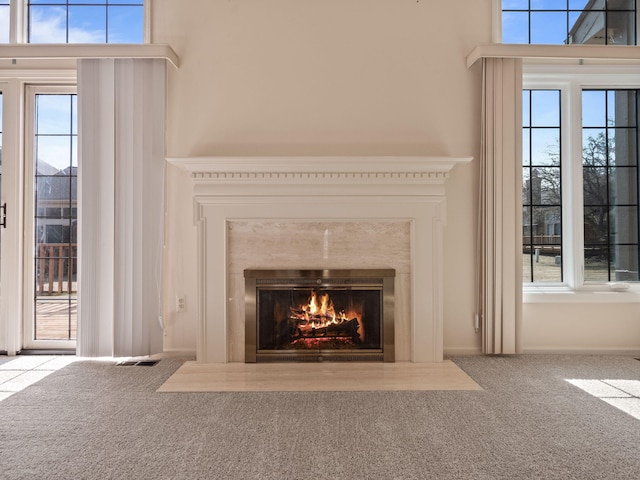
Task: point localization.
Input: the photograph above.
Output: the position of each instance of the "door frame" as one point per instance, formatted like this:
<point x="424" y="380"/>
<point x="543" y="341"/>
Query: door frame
<point x="13" y="84"/>
<point x="11" y="247"/>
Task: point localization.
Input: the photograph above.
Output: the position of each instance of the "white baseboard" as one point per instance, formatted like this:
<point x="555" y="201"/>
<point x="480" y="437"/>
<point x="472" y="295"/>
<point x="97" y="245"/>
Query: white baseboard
<point x="581" y="351"/>
<point x="175" y="353"/>
<point x="461" y="351"/>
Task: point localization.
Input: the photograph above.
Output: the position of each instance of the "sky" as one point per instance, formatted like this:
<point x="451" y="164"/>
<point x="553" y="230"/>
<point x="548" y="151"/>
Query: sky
<point x="57" y="131"/>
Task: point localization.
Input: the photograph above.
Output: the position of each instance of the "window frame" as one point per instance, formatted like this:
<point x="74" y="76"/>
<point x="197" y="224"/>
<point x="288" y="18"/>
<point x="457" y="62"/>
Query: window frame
<point x="571" y="80"/>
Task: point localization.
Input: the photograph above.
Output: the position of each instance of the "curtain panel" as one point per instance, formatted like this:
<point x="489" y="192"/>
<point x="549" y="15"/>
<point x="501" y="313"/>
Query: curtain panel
<point x="499" y="269"/>
<point x="121" y="113"/>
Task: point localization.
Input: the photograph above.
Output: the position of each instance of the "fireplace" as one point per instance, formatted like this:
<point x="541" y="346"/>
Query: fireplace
<point x="319" y="314"/>
<point x="357" y="212"/>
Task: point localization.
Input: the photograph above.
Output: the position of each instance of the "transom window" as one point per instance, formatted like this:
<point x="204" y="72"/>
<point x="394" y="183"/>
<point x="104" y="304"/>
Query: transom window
<point x="72" y="21"/>
<point x="85" y="21"/>
<point x="602" y="22"/>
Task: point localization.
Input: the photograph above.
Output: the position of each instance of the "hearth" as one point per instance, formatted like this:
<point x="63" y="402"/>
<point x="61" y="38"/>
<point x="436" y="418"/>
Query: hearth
<point x="304" y="315"/>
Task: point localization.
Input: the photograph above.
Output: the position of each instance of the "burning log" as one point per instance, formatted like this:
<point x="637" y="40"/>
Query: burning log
<point x="319" y="319"/>
<point x="346" y="329"/>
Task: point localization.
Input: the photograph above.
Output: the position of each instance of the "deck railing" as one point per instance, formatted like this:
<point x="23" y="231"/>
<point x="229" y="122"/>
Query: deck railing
<point x="56" y="268"/>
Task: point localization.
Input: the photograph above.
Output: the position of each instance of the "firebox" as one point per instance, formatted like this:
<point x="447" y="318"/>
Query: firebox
<point x="319" y="315"/>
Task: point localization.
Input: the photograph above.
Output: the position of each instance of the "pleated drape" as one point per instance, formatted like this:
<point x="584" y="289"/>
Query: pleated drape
<point x="121" y="113"/>
<point x="499" y="256"/>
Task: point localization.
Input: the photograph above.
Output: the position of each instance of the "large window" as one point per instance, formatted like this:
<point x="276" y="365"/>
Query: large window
<point x="603" y="22"/>
<point x="595" y="159"/>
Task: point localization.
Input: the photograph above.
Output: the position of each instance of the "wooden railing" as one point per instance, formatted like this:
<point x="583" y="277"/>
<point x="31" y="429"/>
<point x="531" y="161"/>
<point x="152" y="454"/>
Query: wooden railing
<point x="543" y="244"/>
<point x="56" y="268"/>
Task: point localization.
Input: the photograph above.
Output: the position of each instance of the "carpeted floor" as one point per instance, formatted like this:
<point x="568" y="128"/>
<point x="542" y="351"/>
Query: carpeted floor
<point x="93" y="420"/>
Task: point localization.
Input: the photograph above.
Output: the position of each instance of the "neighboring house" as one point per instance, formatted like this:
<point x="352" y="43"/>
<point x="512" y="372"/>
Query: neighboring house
<point x="56" y="193"/>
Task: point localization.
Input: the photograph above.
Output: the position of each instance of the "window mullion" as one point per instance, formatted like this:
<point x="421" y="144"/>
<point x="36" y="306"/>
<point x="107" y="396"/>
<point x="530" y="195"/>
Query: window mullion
<point x="573" y="193"/>
<point x="17" y="9"/>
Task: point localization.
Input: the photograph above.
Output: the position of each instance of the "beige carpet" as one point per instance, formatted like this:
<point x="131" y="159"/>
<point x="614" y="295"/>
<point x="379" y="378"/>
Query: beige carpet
<point x="322" y="376"/>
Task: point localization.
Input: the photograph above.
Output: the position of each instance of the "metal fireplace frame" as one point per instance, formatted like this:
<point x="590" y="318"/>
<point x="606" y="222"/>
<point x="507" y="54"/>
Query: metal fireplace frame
<point x="348" y="278"/>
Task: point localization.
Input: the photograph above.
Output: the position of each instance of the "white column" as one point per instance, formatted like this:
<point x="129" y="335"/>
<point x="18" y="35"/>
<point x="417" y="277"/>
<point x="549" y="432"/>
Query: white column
<point x="121" y="113"/>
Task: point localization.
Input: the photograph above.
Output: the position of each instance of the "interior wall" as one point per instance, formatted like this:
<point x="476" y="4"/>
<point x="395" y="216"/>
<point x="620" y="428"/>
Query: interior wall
<point x="323" y="77"/>
<point x="581" y="327"/>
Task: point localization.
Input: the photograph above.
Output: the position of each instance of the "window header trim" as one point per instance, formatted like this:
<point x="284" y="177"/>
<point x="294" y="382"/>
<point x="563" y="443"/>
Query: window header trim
<point x="31" y="51"/>
<point x="531" y="53"/>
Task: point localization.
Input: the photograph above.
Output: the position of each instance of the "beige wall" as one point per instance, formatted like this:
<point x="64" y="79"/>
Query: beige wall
<point x="582" y="327"/>
<point x="329" y="77"/>
<point x="323" y="77"/>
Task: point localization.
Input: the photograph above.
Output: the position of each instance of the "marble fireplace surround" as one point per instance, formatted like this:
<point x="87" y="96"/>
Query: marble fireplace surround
<point x="319" y="213"/>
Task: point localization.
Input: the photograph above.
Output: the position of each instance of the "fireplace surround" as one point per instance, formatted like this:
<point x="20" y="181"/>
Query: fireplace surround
<point x="247" y="209"/>
<point x="307" y="315"/>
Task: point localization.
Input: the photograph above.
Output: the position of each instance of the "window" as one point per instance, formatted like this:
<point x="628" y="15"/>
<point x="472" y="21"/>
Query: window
<point x="85" y="21"/>
<point x="541" y="186"/>
<point x="610" y="179"/>
<point x="72" y="21"/>
<point x="55" y="198"/>
<point x="603" y="22"/>
<point x="4" y="21"/>
<point x="581" y="201"/>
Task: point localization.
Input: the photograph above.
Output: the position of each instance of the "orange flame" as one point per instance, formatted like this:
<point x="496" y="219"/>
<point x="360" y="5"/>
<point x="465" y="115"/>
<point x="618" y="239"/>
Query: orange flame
<point x="321" y="313"/>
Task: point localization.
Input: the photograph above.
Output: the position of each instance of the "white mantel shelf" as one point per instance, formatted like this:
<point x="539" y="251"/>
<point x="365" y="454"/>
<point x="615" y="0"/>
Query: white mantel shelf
<point x="312" y="164"/>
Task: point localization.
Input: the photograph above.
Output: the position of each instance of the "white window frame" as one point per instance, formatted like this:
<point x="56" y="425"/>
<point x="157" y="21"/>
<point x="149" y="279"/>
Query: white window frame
<point x="18" y="21"/>
<point x="571" y="80"/>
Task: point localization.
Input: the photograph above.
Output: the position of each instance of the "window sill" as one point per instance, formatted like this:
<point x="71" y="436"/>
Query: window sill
<point x="603" y="293"/>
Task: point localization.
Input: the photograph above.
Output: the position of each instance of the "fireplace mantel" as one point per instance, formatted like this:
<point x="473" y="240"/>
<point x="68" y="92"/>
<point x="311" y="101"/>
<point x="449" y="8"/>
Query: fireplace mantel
<point x="277" y="194"/>
<point x="372" y="171"/>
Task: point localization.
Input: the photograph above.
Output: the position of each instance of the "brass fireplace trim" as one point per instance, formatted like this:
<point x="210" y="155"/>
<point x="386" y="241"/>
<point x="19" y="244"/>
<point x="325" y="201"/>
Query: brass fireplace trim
<point x="314" y="278"/>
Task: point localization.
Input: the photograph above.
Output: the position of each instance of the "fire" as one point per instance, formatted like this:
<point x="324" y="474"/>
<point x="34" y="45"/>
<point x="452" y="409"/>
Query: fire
<point x="319" y="319"/>
<point x="323" y="314"/>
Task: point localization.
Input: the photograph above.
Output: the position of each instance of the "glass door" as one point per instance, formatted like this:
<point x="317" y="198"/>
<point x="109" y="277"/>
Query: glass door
<point x="52" y="218"/>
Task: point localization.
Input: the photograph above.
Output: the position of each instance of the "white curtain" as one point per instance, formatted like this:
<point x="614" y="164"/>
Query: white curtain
<point x="499" y="289"/>
<point x="121" y="118"/>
